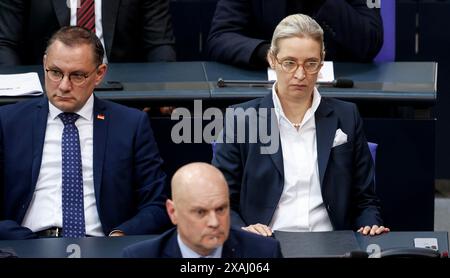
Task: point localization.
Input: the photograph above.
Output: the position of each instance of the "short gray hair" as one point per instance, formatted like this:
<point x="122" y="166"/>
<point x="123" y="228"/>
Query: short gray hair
<point x="297" y="25"/>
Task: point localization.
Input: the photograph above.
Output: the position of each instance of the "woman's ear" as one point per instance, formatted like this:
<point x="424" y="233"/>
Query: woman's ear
<point x="270" y="59"/>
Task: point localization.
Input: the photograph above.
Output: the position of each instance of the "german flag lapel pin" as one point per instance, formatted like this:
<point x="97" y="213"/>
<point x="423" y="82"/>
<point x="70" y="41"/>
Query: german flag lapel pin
<point x="101" y="116"/>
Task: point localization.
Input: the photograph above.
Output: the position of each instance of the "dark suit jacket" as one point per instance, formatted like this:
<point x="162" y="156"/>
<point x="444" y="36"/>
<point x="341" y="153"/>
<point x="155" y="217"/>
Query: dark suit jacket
<point x="352" y="31"/>
<point x="129" y="185"/>
<point x="346" y="171"/>
<point x="133" y="30"/>
<point x="240" y="244"/>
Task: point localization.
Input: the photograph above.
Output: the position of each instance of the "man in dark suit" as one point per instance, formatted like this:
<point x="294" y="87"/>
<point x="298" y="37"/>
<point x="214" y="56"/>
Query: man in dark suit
<point x="315" y="173"/>
<point x="132" y="30"/>
<point x="122" y="186"/>
<point x="200" y="209"/>
<point x="241" y="29"/>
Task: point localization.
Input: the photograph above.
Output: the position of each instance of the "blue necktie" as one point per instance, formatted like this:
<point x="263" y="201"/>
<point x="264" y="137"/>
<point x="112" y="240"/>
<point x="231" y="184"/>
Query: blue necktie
<point x="72" y="179"/>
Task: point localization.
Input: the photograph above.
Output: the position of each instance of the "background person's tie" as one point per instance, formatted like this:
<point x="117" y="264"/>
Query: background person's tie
<point x="72" y="179"/>
<point x="86" y="15"/>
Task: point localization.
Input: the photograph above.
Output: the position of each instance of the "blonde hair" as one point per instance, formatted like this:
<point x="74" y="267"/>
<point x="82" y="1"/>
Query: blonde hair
<point x="297" y="25"/>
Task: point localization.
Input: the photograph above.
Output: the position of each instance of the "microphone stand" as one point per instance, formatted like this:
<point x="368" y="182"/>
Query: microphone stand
<point x="251" y="83"/>
<point x="339" y="83"/>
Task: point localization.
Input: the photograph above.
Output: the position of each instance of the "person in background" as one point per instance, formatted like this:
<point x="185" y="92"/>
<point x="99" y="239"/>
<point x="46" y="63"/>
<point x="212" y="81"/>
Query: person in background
<point x="318" y="174"/>
<point x="130" y="30"/>
<point x="200" y="208"/>
<point x="241" y="29"/>
<point x="73" y="165"/>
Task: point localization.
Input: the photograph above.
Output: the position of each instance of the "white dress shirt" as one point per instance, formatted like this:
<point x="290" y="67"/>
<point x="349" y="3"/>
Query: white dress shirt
<point x="45" y="210"/>
<point x="301" y="206"/>
<point x="187" y="252"/>
<point x="98" y="21"/>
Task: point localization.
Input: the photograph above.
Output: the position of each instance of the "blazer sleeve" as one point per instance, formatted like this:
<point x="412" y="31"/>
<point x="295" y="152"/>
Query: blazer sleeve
<point x="230" y="39"/>
<point x="9" y="229"/>
<point x="158" y="33"/>
<point x="227" y="158"/>
<point x="150" y="185"/>
<point x="12" y="16"/>
<point x="352" y="30"/>
<point x="367" y="207"/>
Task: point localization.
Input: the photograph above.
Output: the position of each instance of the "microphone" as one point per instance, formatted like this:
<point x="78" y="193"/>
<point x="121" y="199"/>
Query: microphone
<point x="337" y="83"/>
<point x="251" y="83"/>
<point x="356" y="254"/>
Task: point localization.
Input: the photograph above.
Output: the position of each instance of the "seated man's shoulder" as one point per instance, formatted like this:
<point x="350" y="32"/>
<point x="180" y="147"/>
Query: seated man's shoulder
<point x="122" y="114"/>
<point x="21" y="106"/>
<point x="117" y="107"/>
<point x="150" y="248"/>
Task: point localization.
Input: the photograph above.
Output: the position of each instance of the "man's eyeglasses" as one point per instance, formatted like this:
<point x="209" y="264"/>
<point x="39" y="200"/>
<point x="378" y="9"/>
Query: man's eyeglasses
<point x="290" y="66"/>
<point x="77" y="78"/>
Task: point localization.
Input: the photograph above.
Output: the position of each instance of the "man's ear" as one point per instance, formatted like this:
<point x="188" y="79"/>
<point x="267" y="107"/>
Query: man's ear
<point x="101" y="72"/>
<point x="43" y="61"/>
<point x="170" y="207"/>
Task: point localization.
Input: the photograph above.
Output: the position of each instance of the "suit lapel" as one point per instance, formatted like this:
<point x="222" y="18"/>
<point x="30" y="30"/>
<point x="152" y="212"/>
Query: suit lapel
<point x="230" y="247"/>
<point x="62" y="12"/>
<point x="101" y="121"/>
<point x="326" y="125"/>
<point x="39" y="127"/>
<point x="172" y="249"/>
<point x="109" y="15"/>
<point x="277" y="157"/>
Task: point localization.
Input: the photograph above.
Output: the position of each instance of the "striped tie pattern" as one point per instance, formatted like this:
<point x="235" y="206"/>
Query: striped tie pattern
<point x="86" y="15"/>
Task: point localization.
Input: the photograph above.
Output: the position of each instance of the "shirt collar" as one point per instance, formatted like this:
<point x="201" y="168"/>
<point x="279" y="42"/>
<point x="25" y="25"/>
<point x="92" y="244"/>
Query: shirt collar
<point x="279" y="109"/>
<point x="85" y="112"/>
<point x="187" y="252"/>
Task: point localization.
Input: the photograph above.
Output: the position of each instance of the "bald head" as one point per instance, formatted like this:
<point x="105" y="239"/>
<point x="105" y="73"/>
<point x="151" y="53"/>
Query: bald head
<point x="200" y="207"/>
<point x="194" y="178"/>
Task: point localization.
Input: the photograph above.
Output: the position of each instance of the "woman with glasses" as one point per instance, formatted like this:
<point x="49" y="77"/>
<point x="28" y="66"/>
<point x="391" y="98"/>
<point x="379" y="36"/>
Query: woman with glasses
<point x="320" y="175"/>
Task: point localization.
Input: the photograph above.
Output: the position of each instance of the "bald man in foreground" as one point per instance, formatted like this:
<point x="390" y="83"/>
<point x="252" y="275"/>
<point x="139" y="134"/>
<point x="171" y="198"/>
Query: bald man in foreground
<point x="200" y="209"/>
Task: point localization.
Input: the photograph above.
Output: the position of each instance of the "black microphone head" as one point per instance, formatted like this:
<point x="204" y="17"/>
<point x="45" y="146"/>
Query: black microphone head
<point x="220" y="82"/>
<point x="343" y="83"/>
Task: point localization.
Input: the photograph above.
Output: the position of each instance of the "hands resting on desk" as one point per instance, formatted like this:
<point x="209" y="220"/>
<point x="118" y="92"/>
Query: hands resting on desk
<point x="264" y="230"/>
<point x="116" y="233"/>
<point x="374" y="230"/>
